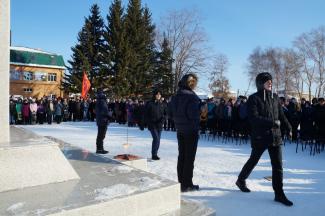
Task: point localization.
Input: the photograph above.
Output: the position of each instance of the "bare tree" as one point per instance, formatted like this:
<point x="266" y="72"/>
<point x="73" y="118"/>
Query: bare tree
<point x="187" y="39"/>
<point x="292" y="72"/>
<point x="311" y="46"/>
<point x="219" y="84"/>
<point x="268" y="60"/>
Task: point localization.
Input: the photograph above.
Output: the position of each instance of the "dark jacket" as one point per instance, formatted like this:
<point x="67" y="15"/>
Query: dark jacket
<point x="263" y="110"/>
<point x="154" y="114"/>
<point x="185" y="110"/>
<point x="102" y="115"/>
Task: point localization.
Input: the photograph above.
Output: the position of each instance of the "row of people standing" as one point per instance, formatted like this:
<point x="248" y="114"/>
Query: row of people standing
<point x="32" y="111"/>
<point x="307" y="119"/>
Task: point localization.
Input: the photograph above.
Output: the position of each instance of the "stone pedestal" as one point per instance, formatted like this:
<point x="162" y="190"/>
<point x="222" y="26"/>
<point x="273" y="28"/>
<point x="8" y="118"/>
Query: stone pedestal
<point x="4" y="69"/>
<point x="29" y="160"/>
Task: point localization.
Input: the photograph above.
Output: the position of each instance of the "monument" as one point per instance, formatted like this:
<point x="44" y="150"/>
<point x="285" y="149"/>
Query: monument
<point x="4" y="69"/>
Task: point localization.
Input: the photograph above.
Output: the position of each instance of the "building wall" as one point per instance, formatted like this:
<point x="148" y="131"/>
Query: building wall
<point x="40" y="84"/>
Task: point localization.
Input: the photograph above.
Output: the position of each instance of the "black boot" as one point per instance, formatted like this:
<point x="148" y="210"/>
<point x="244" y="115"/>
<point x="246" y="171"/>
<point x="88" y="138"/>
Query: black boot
<point x="102" y="151"/>
<point x="241" y="184"/>
<point x="281" y="198"/>
<point x="155" y="157"/>
<point x="190" y="188"/>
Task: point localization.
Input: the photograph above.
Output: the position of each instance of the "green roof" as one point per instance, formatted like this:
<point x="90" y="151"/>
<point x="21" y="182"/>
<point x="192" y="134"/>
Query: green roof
<point x="33" y="57"/>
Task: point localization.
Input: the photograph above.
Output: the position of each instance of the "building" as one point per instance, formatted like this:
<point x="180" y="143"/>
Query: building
<point x="35" y="73"/>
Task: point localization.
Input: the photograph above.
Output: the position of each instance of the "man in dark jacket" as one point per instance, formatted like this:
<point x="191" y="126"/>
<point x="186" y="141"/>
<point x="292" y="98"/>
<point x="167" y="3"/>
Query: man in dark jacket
<point x="265" y="116"/>
<point x="154" y="116"/>
<point x="102" y="117"/>
<point x="185" y="111"/>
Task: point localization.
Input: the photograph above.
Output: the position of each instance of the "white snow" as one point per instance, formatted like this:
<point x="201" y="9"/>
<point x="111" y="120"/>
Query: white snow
<point x="122" y="169"/>
<point x="114" y="191"/>
<point x="15" y="207"/>
<point x="27" y="49"/>
<point x="216" y="168"/>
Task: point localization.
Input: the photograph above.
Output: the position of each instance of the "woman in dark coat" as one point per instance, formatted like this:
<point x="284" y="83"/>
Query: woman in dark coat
<point x="265" y="115"/>
<point x="185" y="111"/>
<point x="154" y="116"/>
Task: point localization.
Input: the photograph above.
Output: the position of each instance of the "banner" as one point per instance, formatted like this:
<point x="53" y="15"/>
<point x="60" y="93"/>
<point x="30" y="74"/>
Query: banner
<point x="85" y="86"/>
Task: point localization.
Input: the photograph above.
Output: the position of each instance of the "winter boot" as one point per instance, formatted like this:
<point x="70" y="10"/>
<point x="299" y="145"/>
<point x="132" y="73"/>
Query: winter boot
<point x="190" y="188"/>
<point x="281" y="198"/>
<point x="155" y="157"/>
<point x="102" y="151"/>
<point x="241" y="184"/>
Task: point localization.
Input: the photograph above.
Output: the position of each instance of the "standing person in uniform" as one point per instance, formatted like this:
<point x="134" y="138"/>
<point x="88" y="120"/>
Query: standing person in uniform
<point x="265" y="115"/>
<point x="154" y="117"/>
<point x="102" y="120"/>
<point x="185" y="111"/>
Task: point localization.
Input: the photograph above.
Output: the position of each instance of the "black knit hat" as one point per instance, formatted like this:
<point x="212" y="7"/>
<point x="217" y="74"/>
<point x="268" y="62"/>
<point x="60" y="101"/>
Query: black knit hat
<point x="262" y="78"/>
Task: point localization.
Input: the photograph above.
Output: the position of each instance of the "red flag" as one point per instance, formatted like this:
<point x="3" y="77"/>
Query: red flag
<point x="85" y="86"/>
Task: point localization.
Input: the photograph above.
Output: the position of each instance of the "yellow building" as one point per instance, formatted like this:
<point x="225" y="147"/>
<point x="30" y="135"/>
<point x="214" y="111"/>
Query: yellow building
<point x="35" y="73"/>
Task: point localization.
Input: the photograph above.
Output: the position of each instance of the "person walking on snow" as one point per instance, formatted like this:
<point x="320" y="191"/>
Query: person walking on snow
<point x="265" y="115"/>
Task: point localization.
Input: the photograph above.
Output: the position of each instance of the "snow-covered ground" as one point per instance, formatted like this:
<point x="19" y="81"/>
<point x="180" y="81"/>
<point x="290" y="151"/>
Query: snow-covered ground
<point x="216" y="168"/>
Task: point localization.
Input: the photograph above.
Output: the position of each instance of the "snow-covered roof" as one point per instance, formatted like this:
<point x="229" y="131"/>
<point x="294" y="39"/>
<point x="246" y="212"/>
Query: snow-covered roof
<point x="27" y="49"/>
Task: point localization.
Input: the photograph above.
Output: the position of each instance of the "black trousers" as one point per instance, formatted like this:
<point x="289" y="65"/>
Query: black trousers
<point x="101" y="136"/>
<point x="156" y="134"/>
<point x="187" y="146"/>
<point x="276" y="162"/>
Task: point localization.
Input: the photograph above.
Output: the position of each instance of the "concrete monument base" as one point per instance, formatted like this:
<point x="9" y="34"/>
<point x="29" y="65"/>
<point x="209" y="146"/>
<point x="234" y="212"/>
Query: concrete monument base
<point x="28" y="160"/>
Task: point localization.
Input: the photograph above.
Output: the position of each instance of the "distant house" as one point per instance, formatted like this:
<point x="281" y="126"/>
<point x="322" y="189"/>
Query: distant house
<point x="35" y="73"/>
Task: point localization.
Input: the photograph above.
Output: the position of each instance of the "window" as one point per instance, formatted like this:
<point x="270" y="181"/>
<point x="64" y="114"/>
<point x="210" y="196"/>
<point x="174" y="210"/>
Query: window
<point x="28" y="75"/>
<point x="40" y="76"/>
<point x="52" y="77"/>
<point x="14" y="75"/>
<point x="28" y="90"/>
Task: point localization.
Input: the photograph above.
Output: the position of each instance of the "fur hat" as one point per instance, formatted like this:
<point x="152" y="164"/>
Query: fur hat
<point x="262" y="78"/>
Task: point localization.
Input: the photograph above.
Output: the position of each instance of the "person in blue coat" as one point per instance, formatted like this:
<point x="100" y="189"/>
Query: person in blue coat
<point x="102" y="120"/>
<point x="154" y="117"/>
<point x="185" y="111"/>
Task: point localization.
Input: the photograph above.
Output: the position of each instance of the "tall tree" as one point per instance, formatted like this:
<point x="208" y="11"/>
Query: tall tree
<point x="163" y="76"/>
<point x="311" y="46"/>
<point x="187" y="40"/>
<point x="115" y="52"/>
<point x="86" y="53"/>
<point x="219" y="83"/>
<point x="140" y="37"/>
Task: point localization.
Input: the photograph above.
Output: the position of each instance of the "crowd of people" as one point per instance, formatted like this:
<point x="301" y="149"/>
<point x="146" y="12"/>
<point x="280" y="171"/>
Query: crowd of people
<point x="264" y="117"/>
<point x="218" y="117"/>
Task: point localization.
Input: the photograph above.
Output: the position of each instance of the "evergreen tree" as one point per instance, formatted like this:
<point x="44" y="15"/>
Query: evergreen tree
<point x="86" y="55"/>
<point x="140" y="36"/>
<point x="163" y="77"/>
<point x="115" y="52"/>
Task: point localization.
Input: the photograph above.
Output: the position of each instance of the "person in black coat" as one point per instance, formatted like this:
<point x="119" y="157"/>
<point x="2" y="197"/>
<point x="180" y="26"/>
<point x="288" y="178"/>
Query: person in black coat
<point x="319" y="116"/>
<point x="265" y="116"/>
<point x="185" y="111"/>
<point x="102" y="120"/>
<point x="154" y="117"/>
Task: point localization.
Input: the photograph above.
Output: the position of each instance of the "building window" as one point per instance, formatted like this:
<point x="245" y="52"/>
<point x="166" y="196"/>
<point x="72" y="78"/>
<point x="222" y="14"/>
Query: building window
<point x="52" y="77"/>
<point x="40" y="76"/>
<point x="28" y="90"/>
<point x="15" y="75"/>
<point x="28" y="75"/>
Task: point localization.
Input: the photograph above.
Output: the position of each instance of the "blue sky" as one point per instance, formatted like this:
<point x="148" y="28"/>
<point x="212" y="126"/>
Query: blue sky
<point x="234" y="28"/>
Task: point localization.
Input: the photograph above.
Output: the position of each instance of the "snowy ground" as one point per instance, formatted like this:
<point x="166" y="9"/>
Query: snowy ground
<point x="216" y="168"/>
